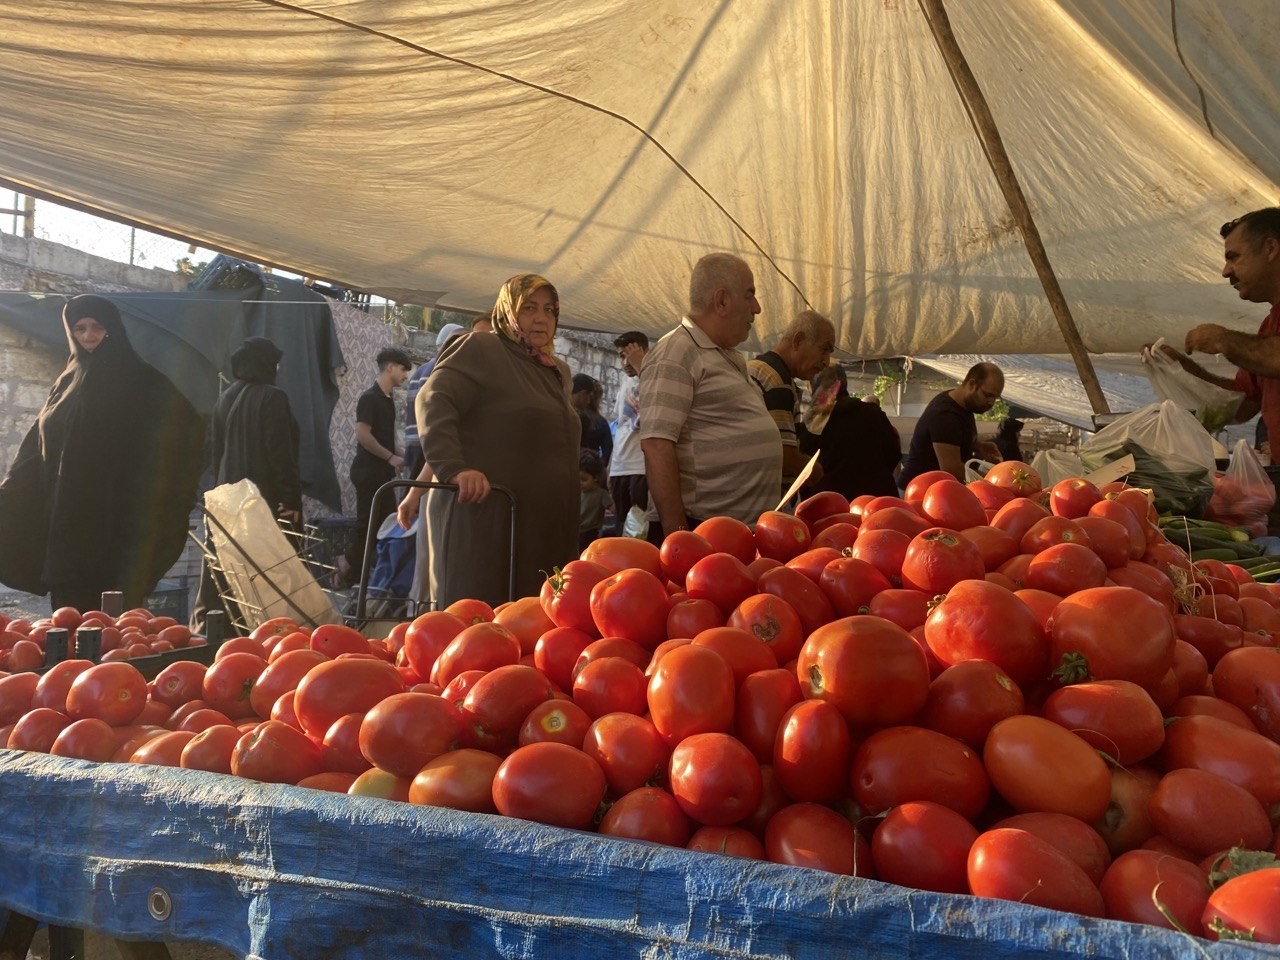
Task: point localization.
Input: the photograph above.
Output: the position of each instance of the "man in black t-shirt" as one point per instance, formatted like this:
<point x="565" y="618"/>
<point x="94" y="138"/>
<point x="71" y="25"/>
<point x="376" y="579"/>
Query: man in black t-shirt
<point x="946" y="435"/>
<point x="377" y="459"/>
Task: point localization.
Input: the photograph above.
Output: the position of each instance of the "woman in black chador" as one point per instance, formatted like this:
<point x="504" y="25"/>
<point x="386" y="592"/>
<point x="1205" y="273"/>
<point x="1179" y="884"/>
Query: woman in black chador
<point x="99" y="494"/>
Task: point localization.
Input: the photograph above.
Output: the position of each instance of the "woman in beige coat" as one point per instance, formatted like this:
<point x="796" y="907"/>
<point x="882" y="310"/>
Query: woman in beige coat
<point x="496" y="411"/>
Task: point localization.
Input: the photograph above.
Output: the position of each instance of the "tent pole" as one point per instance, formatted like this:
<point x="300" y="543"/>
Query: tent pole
<point x="985" y="126"/>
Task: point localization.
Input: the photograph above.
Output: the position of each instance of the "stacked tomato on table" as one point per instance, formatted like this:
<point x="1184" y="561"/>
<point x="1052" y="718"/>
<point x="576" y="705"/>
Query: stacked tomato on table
<point x="134" y="633"/>
<point x="987" y="688"/>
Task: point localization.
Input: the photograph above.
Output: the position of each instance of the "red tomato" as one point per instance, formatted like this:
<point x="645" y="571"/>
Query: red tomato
<point x="812" y="562"/>
<point x="949" y="503"/>
<point x="824" y="503"/>
<point x="1126" y="824"/>
<point x="628" y="749"/>
<point x="16" y="693"/>
<point x="924" y="845"/>
<point x="283" y="674"/>
<point x="340" y="749"/>
<point x="297" y="641"/>
<point x="1110" y="540"/>
<point x="1247" y="759"/>
<point x="164" y="750"/>
<point x="1018" y="516"/>
<point x="989" y="495"/>
<point x="851" y="584"/>
<point x="496" y="705"/>
<point x="275" y="627"/>
<point x="1116" y="717"/>
<point x="329" y="781"/>
<point x="730" y="841"/>
<point x="680" y="550"/>
<point x="722" y="579"/>
<point x="836" y="534"/>
<point x="549" y="783"/>
<point x="938" y="559"/>
<point x="762" y="700"/>
<point x="869" y="668"/>
<point x="557" y="721"/>
<point x="1065" y="568"/>
<point x="967" y="699"/>
<point x="229" y="682"/>
<point x="715" y="779"/>
<point x="274" y="752"/>
<point x="812" y="751"/>
<point x="899" y="519"/>
<point x="802" y="594"/>
<point x="1121" y="633"/>
<point x="772" y="620"/>
<point x="1016" y="476"/>
<point x="1201" y="705"/>
<point x="556" y="653"/>
<point x="459" y="780"/>
<point x="1210" y="637"/>
<point x="51" y="688"/>
<point x="727" y="535"/>
<point x="1015" y="865"/>
<point x="780" y="536"/>
<point x="921" y="483"/>
<point x="87" y="739"/>
<point x="978" y="620"/>
<point x="688" y="618"/>
<point x="899" y="764"/>
<point x="427" y="638"/>
<point x="631" y="604"/>
<point x="566" y="595"/>
<point x="381" y="784"/>
<point x="1135" y="537"/>
<point x="199" y="720"/>
<point x="481" y="646"/>
<point x="1249" y="678"/>
<point x="406" y="731"/>
<point x="333" y="639"/>
<point x="1037" y="765"/>
<point x="524" y="618"/>
<point x="611" y="685"/>
<point x="691" y="691"/>
<point x="647" y="813"/>
<point x="241" y="645"/>
<point x="1143" y="886"/>
<point x="994" y="546"/>
<point x="1073" y="497"/>
<point x="1204" y="812"/>
<point x="211" y="749"/>
<point x="334" y="689"/>
<point x="113" y="692"/>
<point x="811" y="835"/>
<point x="744" y="652"/>
<point x="1052" y="531"/>
<point x="907" y="608"/>
<point x="885" y="550"/>
<point x="37" y="729"/>
<point x="1079" y="841"/>
<point x="1245" y="907"/>
<point x="616" y="554"/>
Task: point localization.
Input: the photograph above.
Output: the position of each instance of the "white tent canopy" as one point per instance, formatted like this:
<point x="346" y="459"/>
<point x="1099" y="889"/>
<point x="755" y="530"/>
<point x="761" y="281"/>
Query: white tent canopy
<point x="427" y="151"/>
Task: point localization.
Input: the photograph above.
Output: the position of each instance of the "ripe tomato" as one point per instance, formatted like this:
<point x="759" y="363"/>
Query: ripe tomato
<point x="994" y="546"/>
<point x="1245" y="907"/>
<point x="1015" y="865"/>
<point x="1116" y="717"/>
<point x="1110" y="540"/>
<point x="811" y="835"/>
<point x="37" y="729"/>
<point x="978" y="620"/>
<point x="1135" y="535"/>
<point x="802" y="594"/>
<point x="198" y="720"/>
<point x="727" y="535"/>
<point x="920" y="484"/>
<point x="730" y="841"/>
<point x="924" y="845"/>
<point x="87" y="739"/>
<point x="744" y="652"/>
<point x="471" y="612"/>
<point x="938" y="559"/>
<point x="869" y="668"/>
<point x="835" y="533"/>
<point x="381" y="784"/>
<point x="1126" y="824"/>
<point x="241" y="645"/>
<point x="52" y="687"/>
<point x="1204" y="813"/>
<point x="688" y="618"/>
<point x="851" y="584"/>
<point x="229" y="682"/>
<point x="496" y="705"/>
<point x="812" y="751"/>
<point x="629" y="749"/>
<point x="558" y="721"/>
<point x="113" y="692"/>
<point x="164" y="750"/>
<point x="556" y="653"/>
<point x="1121" y="633"/>
<point x="481" y="646"/>
<point x="283" y="674"/>
<point x="616" y="554"/>
<point x="631" y="604"/>
<point x="611" y="685"/>
<point x="333" y="639"/>
<point x="900" y="519"/>
<point x="647" y="813"/>
<point x="780" y="536"/>
<point x="1065" y="568"/>
<point x="406" y="731"/>
<point x="1199" y="704"/>
<point x="949" y="503"/>
<point x="1212" y="638"/>
<point x="885" y="550"/>
<point x="762" y="700"/>
<point x="907" y="608"/>
<point x="824" y="503"/>
<point x="1037" y="765"/>
<point x="1247" y="759"/>
<point x="1079" y="841"/>
<point x="1016" y="476"/>
<point x="1018" y="516"/>
<point x="1052" y="531"/>
<point x="566" y="595"/>
<point x="274" y="752"/>
<point x="612" y="647"/>
<point x="329" y="781"/>
<point x="549" y="783"/>
<point x="969" y="698"/>
<point x="772" y="620"/>
<point x="340" y="749"/>
<point x="334" y="689"/>
<point x="680" y="550"/>
<point x="813" y="561"/>
<point x="275" y="627"/>
<point x="899" y="764"/>
<point x="211" y="749"/>
<point x="427" y="637"/>
<point x="1073" y="497"/>
<point x="1143" y="886"/>
<point x="1249" y="678"/>
<point x="722" y="579"/>
<point x="526" y="619"/>
<point x="460" y="780"/>
<point x="715" y="779"/>
<point x="691" y="691"/>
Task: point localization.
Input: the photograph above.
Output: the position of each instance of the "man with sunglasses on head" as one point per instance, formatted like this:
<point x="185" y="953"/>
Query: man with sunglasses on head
<point x="1251" y="251"/>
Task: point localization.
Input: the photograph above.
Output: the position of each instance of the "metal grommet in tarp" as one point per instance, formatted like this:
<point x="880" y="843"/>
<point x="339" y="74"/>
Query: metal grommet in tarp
<point x="159" y="903"/>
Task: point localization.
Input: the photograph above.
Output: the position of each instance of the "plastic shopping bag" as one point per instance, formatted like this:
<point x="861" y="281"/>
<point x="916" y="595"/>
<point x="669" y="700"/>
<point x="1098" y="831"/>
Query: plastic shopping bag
<point x="1244" y="495"/>
<point x="1213" y="406"/>
<point x="1172" y="452"/>
<point x="1055" y="465"/>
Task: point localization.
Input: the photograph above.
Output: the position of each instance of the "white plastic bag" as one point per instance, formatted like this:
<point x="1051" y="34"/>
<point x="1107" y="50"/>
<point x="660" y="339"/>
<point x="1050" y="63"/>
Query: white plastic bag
<point x="1213" y="405"/>
<point x="976" y="469"/>
<point x="636" y="523"/>
<point x="1244" y="495"/>
<point x="1056" y="465"/>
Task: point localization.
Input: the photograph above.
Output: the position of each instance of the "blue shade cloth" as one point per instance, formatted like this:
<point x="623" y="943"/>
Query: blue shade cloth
<point x="282" y="872"/>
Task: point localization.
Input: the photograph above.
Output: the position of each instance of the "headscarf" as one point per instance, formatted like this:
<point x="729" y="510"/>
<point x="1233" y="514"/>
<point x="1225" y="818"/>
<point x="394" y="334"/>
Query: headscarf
<point x="256" y="360"/>
<point x="511" y="297"/>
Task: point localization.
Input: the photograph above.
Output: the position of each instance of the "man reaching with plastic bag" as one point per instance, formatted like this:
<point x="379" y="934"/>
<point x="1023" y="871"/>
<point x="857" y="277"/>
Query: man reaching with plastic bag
<point x="1252" y="265"/>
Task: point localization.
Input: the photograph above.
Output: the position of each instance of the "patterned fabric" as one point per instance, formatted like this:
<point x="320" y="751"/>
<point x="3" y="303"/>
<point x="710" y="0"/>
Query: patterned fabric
<point x="781" y="398"/>
<point x="701" y="397"/>
<point x="510" y="299"/>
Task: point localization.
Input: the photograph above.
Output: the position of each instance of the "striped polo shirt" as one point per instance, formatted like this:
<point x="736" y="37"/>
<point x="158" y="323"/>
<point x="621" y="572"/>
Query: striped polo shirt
<point x="701" y="397"/>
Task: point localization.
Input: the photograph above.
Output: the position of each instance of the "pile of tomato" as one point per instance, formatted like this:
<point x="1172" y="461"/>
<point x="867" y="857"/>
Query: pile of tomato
<point x="986" y="689"/>
<point x="134" y="633"/>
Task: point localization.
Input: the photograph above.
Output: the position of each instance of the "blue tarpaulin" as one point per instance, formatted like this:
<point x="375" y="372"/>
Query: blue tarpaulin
<point x="283" y="872"/>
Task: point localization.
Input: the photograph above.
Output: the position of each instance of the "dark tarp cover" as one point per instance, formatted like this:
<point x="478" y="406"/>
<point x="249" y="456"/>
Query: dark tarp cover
<point x="189" y="336"/>
<point x="280" y="872"/>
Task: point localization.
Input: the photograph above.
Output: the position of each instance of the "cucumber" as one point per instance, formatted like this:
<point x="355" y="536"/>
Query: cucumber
<point x="1260" y="574"/>
<point x="1225" y="554"/>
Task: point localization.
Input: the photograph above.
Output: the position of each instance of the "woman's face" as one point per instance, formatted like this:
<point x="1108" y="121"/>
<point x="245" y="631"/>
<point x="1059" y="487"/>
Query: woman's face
<point x="88" y="332"/>
<point x="537" y="318"/>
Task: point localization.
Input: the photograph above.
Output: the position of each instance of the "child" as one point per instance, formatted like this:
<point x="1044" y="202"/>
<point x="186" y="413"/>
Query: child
<point x="595" y="498"/>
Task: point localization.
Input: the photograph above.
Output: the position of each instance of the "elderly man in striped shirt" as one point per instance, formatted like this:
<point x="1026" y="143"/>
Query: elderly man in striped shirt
<point x="710" y="446"/>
